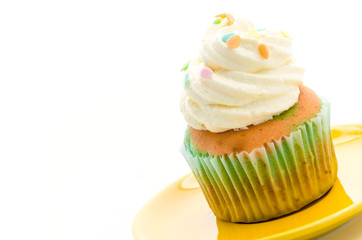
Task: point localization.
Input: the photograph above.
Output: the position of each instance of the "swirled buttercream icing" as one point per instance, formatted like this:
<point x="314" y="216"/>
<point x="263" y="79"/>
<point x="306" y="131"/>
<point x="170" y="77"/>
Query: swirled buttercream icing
<point x="241" y="77"/>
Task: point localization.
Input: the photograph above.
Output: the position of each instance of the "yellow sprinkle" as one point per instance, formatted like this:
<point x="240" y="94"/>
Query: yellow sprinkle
<point x="230" y="18"/>
<point x="286" y="35"/>
<point x="253" y="33"/>
<point x="233" y="41"/>
<point x="222" y="15"/>
<point x="263" y="50"/>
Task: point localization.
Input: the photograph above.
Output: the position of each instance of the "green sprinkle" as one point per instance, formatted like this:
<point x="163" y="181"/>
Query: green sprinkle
<point x="187" y="80"/>
<point x="217" y="21"/>
<point x="261" y="29"/>
<point x="186" y="66"/>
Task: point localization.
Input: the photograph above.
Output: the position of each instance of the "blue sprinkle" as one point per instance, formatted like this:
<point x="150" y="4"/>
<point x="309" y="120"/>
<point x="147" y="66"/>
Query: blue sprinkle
<point x="187" y="80"/>
<point x="226" y="37"/>
<point x="261" y="29"/>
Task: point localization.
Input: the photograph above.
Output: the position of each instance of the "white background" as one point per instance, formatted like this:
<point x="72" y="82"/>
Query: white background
<point x="89" y="100"/>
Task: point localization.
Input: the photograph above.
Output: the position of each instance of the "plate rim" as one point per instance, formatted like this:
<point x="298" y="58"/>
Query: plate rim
<point x="309" y="230"/>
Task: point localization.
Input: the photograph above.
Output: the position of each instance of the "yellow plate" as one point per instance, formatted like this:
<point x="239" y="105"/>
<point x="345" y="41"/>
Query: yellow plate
<point x="181" y="212"/>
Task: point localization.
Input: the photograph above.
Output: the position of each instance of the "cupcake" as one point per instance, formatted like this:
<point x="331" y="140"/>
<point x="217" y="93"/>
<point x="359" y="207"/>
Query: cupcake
<point x="258" y="141"/>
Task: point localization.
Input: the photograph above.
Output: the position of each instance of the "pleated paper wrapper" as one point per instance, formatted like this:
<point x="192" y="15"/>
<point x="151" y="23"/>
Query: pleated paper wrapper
<point x="273" y="180"/>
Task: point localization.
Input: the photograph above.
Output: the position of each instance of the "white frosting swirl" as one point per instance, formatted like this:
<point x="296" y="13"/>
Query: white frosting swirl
<point x="244" y="88"/>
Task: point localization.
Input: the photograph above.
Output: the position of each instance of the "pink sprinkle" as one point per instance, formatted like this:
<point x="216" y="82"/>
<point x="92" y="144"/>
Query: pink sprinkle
<point x="206" y="72"/>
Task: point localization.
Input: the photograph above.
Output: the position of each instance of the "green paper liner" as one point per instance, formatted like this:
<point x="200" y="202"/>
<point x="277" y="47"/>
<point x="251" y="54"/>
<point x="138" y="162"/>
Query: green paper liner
<point x="273" y="180"/>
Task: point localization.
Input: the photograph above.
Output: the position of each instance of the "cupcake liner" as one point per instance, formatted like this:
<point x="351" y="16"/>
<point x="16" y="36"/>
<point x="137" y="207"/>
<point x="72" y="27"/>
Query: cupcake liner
<point x="273" y="180"/>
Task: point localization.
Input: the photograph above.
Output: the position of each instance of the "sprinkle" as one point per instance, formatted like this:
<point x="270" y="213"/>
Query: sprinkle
<point x="253" y="33"/>
<point x="187" y="80"/>
<point x="230" y="18"/>
<point x="286" y="35"/>
<point x="233" y="42"/>
<point x="206" y="72"/>
<point x="263" y="50"/>
<point x="186" y="66"/>
<point x="226" y="37"/>
<point x="217" y="21"/>
<point x="261" y="29"/>
<point x="222" y="15"/>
